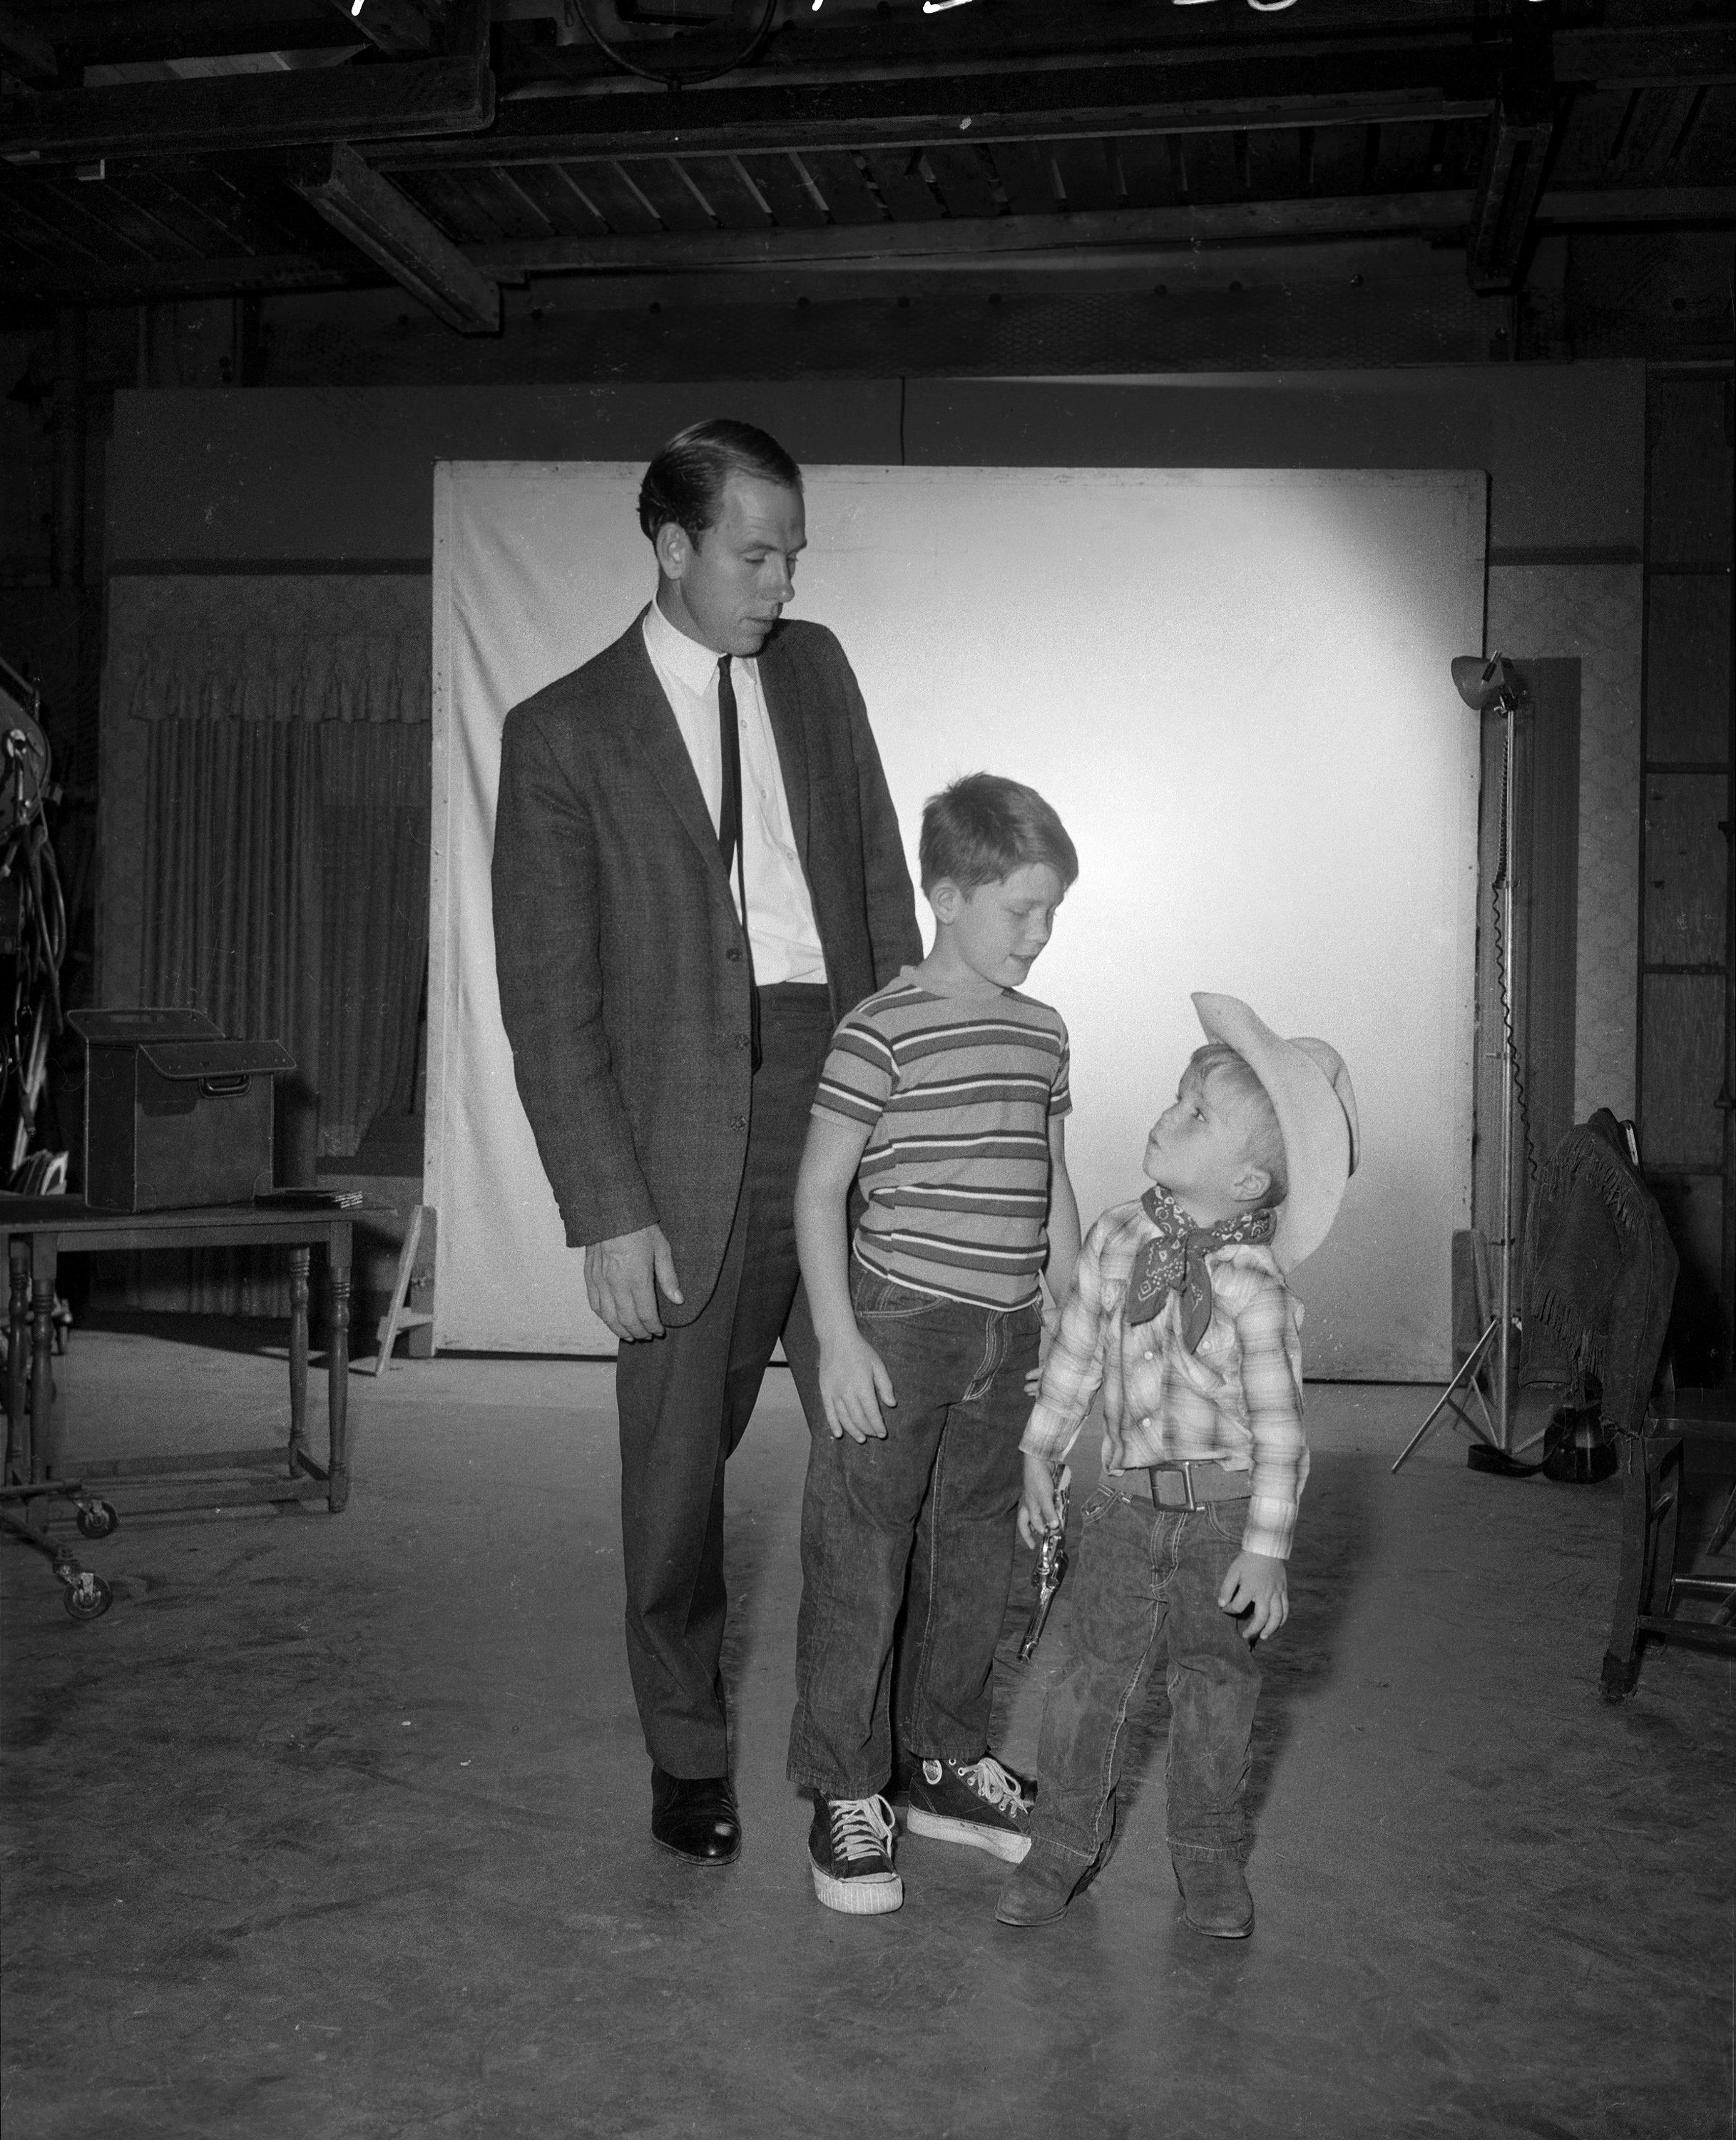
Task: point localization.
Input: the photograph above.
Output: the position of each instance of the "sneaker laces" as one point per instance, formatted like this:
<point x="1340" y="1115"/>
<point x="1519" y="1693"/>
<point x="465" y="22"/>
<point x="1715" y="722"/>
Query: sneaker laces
<point x="862" y="1827"/>
<point x="989" y="1780"/>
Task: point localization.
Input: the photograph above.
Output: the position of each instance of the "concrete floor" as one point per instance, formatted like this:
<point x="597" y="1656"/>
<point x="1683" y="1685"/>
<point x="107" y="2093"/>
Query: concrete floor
<point x="337" y="1827"/>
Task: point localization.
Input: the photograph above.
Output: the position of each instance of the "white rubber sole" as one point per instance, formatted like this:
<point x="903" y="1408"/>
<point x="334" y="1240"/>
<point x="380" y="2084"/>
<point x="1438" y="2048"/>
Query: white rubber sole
<point x="941" y="1827"/>
<point x="875" y="1896"/>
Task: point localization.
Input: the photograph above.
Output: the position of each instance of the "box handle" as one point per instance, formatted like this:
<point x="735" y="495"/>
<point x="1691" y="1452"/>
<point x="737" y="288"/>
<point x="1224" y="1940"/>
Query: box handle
<point x="220" y="1088"/>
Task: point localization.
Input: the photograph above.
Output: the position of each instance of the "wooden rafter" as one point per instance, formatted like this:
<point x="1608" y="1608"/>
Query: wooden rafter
<point x="25" y="51"/>
<point x="397" y="27"/>
<point x="1654" y="56"/>
<point x="371" y="211"/>
<point x="1514" y="157"/>
<point x="452" y="94"/>
<point x="1006" y="246"/>
<point x="1107" y="142"/>
<point x="122" y="30"/>
<point x="1002" y="239"/>
<point x="1211" y="95"/>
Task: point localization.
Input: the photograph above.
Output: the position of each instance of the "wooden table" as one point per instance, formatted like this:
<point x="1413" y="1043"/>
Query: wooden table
<point x="40" y="1229"/>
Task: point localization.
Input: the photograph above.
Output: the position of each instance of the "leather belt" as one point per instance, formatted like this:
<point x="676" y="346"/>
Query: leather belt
<point x="1191" y="1485"/>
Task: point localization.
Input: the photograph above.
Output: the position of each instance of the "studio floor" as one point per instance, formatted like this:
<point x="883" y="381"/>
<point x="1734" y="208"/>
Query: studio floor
<point x="338" y="1827"/>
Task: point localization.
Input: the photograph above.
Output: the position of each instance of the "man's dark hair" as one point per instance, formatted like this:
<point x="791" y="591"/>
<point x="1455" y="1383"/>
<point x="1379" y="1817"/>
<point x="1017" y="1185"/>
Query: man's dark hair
<point x="686" y="479"/>
<point x="983" y="827"/>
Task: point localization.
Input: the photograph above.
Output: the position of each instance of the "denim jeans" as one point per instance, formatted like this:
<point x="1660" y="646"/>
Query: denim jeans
<point x="1148" y="1577"/>
<point x="937" y="1501"/>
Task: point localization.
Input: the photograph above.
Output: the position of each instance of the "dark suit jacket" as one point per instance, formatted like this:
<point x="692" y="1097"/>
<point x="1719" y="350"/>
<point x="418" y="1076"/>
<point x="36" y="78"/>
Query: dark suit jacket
<point x="623" y="970"/>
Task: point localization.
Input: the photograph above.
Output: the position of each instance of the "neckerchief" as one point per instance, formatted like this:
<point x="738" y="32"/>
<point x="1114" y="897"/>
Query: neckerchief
<point x="1175" y="1262"/>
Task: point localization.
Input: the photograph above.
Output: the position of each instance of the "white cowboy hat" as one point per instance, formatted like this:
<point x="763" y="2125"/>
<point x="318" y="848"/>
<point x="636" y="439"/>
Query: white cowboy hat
<point x="1311" y="1093"/>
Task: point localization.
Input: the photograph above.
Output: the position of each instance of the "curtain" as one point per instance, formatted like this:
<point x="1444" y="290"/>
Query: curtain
<point x="278" y="647"/>
<point x="374" y="824"/>
<point x="286" y="859"/>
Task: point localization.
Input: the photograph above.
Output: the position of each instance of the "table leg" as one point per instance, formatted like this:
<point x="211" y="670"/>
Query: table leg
<point x="1665" y="1482"/>
<point x="1621" y="1659"/>
<point x="18" y="1417"/>
<point x="298" y="1262"/>
<point x="45" y="1454"/>
<point x="337" y="1366"/>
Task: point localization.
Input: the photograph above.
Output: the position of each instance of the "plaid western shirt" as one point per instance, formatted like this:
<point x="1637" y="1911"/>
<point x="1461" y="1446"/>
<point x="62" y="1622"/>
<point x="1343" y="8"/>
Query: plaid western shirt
<point x="1237" y="1401"/>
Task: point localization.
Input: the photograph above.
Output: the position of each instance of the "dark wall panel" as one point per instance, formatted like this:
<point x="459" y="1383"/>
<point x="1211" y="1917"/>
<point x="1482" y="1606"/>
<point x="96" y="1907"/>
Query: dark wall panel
<point x="1563" y="444"/>
<point x="205" y="478"/>
<point x="347" y="475"/>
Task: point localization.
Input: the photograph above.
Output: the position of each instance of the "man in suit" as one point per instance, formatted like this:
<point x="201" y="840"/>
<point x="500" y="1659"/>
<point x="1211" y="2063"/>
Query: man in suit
<point x="713" y="765"/>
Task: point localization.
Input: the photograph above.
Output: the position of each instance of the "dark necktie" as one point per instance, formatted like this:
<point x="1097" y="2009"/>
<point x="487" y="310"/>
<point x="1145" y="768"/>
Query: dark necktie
<point x="729" y="831"/>
<point x="730" y="815"/>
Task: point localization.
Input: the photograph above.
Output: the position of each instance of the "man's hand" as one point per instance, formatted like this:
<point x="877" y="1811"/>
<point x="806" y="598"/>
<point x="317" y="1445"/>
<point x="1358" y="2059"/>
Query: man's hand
<point x="1036" y="1509"/>
<point x="1255" y="1580"/>
<point x="853" y="1385"/>
<point x="622" y="1278"/>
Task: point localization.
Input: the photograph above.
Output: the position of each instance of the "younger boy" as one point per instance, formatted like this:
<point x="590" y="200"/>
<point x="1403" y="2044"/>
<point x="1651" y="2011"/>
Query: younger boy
<point x="943" y="1099"/>
<point x="1180" y="1309"/>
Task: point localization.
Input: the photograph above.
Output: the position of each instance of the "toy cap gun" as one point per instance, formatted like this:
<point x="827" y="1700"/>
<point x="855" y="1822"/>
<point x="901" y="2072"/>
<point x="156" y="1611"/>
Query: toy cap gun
<point x="1047" y="1575"/>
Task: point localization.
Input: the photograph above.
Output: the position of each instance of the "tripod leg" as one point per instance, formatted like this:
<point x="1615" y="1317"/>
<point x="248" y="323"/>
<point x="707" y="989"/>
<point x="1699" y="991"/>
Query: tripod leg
<point x="1468" y="1368"/>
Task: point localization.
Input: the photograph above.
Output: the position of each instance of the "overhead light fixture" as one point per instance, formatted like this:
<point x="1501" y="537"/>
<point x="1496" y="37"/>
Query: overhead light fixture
<point x="940" y="6"/>
<point x="356" y="6"/>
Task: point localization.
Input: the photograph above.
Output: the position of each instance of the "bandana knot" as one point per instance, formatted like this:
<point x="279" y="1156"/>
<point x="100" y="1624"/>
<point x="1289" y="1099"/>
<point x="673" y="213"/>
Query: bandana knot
<point x="1174" y="1263"/>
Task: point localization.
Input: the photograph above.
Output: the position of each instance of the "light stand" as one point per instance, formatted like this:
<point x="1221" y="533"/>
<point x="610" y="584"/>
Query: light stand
<point x="1486" y="686"/>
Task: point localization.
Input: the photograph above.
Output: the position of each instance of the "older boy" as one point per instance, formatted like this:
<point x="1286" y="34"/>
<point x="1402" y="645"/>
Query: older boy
<point x="944" y="1099"/>
<point x="1180" y="1309"/>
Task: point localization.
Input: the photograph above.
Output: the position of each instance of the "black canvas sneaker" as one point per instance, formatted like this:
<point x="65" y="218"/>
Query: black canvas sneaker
<point x="979" y="1803"/>
<point x="850" y="1849"/>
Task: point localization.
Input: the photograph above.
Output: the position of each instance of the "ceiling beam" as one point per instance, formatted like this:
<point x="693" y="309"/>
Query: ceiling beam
<point x="252" y="274"/>
<point x="371" y="211"/>
<point x="1514" y="153"/>
<point x="25" y="51"/>
<point x="1228" y="271"/>
<point x="1317" y="88"/>
<point x="1700" y="53"/>
<point x="1579" y="207"/>
<point x="986" y="241"/>
<point x="120" y="30"/>
<point x="397" y="27"/>
<point x="815" y="50"/>
<point x="211" y="113"/>
<point x="1318" y="83"/>
<point x="979" y="253"/>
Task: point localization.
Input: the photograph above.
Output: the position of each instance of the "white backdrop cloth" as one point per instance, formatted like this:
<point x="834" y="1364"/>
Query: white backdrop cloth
<point x="1234" y="687"/>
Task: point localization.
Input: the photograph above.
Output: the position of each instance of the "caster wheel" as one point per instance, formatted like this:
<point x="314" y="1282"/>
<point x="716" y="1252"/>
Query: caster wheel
<point x="97" y="1519"/>
<point x="89" y="1598"/>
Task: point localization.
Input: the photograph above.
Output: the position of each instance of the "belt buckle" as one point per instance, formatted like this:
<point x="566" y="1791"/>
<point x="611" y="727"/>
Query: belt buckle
<point x="1191" y="1506"/>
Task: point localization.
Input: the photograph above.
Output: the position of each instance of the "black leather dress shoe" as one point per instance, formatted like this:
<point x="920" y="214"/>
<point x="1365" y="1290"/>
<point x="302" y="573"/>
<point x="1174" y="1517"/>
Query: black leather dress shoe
<point x="695" y="1817"/>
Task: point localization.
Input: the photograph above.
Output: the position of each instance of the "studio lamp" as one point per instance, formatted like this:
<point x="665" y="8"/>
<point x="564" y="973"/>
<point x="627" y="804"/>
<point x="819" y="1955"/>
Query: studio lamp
<point x="1492" y="686"/>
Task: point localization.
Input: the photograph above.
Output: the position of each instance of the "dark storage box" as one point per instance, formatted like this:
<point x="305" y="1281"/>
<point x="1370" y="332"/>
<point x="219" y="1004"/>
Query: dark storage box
<point x="174" y="1114"/>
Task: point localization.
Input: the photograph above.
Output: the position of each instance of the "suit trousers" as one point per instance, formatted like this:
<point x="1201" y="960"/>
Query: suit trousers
<point x="686" y="1398"/>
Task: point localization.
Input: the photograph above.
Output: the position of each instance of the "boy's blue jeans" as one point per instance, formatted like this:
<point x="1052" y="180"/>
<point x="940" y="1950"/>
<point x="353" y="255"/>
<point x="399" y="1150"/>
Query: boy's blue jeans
<point x="1147" y="1578"/>
<point x="937" y="1500"/>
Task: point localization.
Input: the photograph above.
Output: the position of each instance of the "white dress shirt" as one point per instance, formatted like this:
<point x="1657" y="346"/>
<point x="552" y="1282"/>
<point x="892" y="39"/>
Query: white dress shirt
<point x="781" y="927"/>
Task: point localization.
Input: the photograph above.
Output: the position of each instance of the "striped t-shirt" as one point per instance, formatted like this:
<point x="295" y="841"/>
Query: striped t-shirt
<point x="957" y="1098"/>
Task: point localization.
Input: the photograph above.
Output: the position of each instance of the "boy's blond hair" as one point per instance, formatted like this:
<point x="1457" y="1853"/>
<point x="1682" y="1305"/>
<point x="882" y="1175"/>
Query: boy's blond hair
<point x="1218" y="1064"/>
